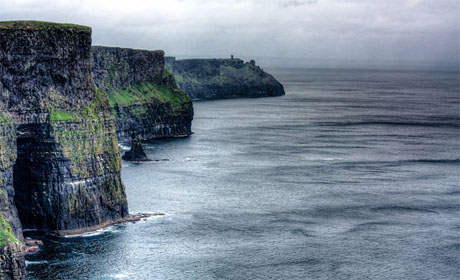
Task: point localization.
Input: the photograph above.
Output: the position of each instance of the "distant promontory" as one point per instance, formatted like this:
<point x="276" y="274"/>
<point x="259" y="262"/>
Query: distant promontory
<point x="222" y="78"/>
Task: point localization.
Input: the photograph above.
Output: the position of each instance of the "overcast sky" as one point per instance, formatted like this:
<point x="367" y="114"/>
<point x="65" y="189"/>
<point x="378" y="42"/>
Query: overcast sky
<point x="363" y="31"/>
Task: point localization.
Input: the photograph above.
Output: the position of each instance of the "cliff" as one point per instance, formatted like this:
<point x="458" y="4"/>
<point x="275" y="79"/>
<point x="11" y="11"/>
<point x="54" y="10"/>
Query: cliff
<point x="67" y="171"/>
<point x="144" y="98"/>
<point x="12" y="264"/>
<point x="222" y="78"/>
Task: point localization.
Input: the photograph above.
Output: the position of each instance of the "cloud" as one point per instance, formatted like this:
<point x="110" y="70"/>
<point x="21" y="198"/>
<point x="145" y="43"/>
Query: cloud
<point x="296" y="3"/>
<point x="371" y="30"/>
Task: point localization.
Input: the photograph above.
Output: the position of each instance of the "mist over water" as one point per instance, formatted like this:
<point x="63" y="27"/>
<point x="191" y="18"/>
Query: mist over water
<point x="352" y="175"/>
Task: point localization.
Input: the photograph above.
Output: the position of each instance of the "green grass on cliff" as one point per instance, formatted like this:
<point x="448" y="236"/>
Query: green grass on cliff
<point x="40" y="25"/>
<point x="93" y="137"/>
<point x="6" y="232"/>
<point x="4" y="119"/>
<point x="66" y="116"/>
<point x="92" y="111"/>
<point x="142" y="93"/>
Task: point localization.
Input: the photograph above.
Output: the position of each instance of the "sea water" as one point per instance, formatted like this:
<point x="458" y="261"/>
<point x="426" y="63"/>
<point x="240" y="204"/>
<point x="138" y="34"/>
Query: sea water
<point x="354" y="174"/>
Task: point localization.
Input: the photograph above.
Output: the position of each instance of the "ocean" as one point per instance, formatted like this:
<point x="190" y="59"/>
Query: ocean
<point x="353" y="174"/>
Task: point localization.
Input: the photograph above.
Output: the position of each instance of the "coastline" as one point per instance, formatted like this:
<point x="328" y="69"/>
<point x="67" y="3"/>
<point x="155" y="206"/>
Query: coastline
<point x="132" y="218"/>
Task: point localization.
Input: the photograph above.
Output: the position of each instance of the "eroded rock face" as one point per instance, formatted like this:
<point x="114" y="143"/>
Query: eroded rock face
<point x="222" y="78"/>
<point x="143" y="97"/>
<point x="114" y="68"/>
<point x="67" y="173"/>
<point x="12" y="264"/>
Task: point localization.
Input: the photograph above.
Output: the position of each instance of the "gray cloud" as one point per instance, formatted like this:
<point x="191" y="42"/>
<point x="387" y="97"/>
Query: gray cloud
<point x="373" y="31"/>
<point x="296" y="3"/>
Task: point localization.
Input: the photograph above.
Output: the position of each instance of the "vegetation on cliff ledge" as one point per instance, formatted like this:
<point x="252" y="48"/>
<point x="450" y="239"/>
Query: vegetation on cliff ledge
<point x="6" y="232"/>
<point x="89" y="139"/>
<point x="4" y="118"/>
<point x="144" y="92"/>
<point x="92" y="111"/>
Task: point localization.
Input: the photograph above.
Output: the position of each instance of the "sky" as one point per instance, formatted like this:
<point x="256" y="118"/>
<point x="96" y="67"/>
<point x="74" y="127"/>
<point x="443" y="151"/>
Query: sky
<point x="291" y="32"/>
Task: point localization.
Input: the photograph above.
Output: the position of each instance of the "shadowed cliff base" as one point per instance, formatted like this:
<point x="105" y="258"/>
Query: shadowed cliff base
<point x="222" y="78"/>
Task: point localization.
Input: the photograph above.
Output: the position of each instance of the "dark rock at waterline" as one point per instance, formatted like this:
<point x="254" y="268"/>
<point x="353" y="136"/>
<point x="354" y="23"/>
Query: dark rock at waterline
<point x="32" y="246"/>
<point x="126" y="219"/>
<point x="136" y="153"/>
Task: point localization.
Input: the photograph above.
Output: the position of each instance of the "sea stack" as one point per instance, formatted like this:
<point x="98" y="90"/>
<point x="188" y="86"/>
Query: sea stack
<point x="67" y="171"/>
<point x="136" y="153"/>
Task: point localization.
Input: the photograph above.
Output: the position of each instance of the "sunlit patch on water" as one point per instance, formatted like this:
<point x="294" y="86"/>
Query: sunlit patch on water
<point x="124" y="275"/>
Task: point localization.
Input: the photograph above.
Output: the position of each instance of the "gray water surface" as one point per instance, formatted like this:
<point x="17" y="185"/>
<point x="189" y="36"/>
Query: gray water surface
<point x="351" y="175"/>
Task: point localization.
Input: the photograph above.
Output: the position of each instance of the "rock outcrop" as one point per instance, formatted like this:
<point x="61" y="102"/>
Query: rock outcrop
<point x="67" y="171"/>
<point x="222" y="78"/>
<point x="12" y="264"/>
<point x="136" y="153"/>
<point x="144" y="98"/>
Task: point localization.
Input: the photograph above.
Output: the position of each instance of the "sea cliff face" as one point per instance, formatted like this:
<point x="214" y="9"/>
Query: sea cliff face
<point x="67" y="171"/>
<point x="222" y="78"/>
<point x="12" y="265"/>
<point x="144" y="98"/>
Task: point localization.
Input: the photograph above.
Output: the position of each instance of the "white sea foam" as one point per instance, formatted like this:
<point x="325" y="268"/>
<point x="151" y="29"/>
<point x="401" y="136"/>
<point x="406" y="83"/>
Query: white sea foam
<point x="93" y="233"/>
<point x="124" y="147"/>
<point x="122" y="275"/>
<point x="154" y="216"/>
<point x="35" y="262"/>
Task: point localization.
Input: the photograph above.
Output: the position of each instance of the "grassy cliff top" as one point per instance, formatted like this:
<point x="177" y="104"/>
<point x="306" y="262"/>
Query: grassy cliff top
<point x="40" y="25"/>
<point x="160" y="52"/>
<point x="209" y="59"/>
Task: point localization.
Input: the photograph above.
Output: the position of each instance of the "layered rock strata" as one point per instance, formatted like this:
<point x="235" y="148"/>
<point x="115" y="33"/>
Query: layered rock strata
<point x="222" y="78"/>
<point x="143" y="96"/>
<point x="67" y="171"/>
<point x="12" y="264"/>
